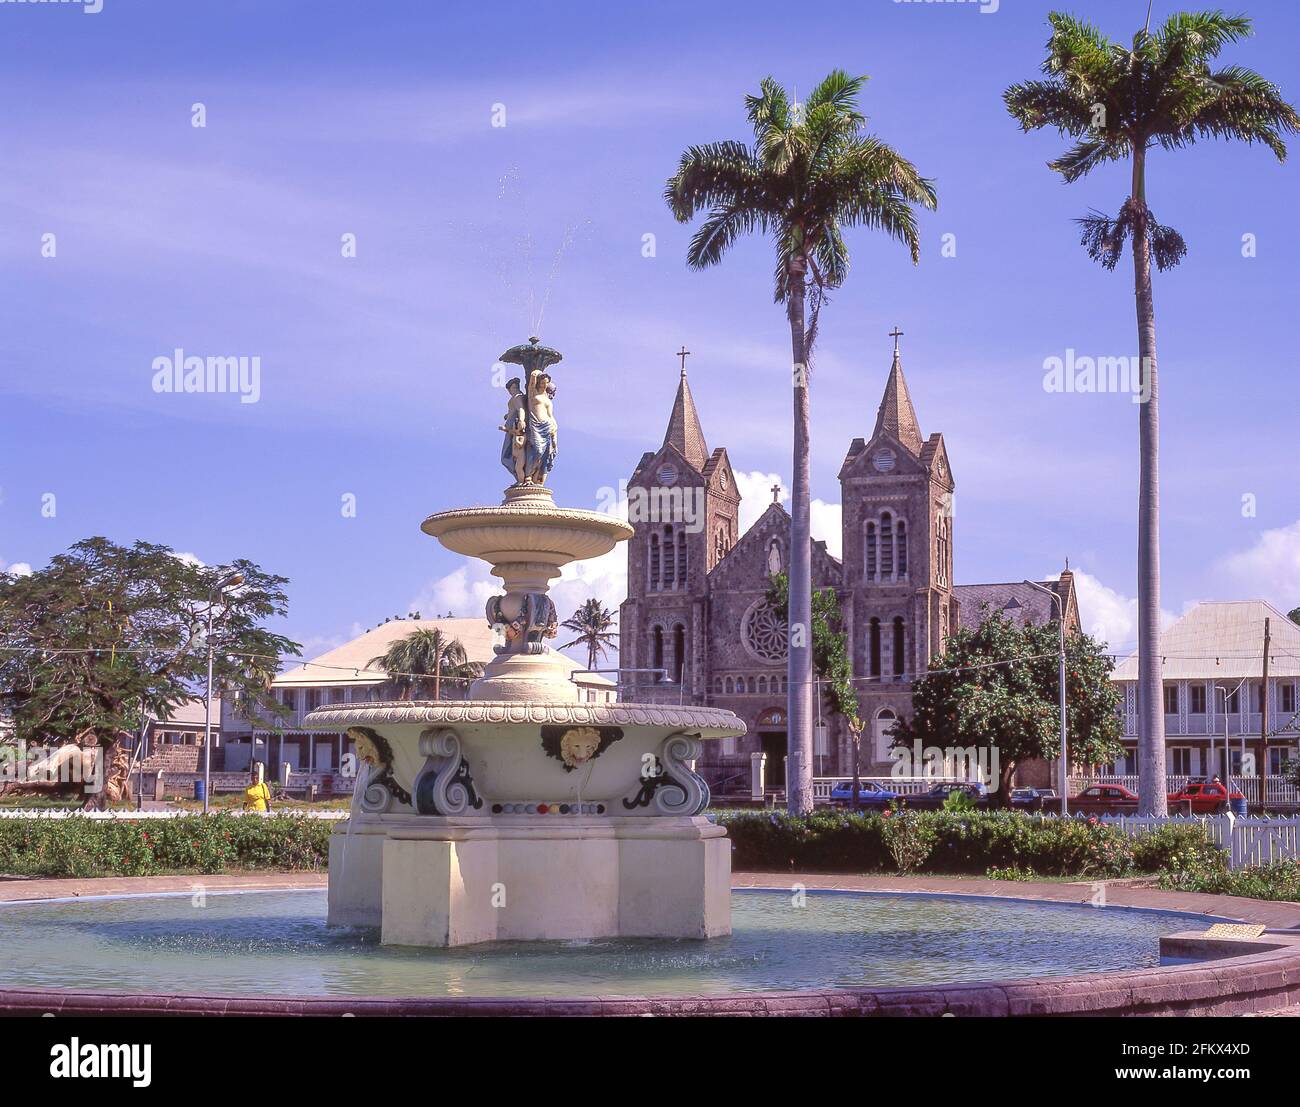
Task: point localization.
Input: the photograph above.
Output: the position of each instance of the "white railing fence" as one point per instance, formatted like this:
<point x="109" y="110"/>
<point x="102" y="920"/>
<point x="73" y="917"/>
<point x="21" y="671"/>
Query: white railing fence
<point x="133" y="816"/>
<point x="1248" y="840"/>
<point x="903" y="785"/>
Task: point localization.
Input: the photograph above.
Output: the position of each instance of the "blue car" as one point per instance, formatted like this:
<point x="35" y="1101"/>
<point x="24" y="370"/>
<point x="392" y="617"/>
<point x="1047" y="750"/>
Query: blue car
<point x="870" y="794"/>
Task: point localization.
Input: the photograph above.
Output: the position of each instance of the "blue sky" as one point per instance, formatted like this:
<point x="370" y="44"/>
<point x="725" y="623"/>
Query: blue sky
<point x="375" y="120"/>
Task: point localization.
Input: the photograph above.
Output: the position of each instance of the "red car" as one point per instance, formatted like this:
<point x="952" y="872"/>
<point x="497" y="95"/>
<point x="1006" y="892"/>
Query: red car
<point x="1202" y="798"/>
<point x="1104" y="799"/>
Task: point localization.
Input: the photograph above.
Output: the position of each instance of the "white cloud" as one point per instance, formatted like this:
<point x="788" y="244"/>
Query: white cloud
<point x="1108" y="615"/>
<point x="1270" y="569"/>
<point x="15" y="569"/>
<point x="755" y="488"/>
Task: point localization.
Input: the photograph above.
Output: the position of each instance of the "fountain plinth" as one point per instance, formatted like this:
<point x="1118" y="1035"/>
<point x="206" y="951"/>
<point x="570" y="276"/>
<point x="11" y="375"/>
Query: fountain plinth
<point x="524" y="812"/>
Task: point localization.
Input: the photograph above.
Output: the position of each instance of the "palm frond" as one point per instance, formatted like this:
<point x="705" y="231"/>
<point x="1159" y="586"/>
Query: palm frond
<point x="1083" y="157"/>
<point x="1189" y="38"/>
<point x="839" y="91"/>
<point x="718" y="173"/>
<point x="719" y="231"/>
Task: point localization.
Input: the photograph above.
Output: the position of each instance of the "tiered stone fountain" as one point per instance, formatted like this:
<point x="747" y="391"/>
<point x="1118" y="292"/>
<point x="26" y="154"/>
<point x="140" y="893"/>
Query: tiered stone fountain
<point x="522" y="812"/>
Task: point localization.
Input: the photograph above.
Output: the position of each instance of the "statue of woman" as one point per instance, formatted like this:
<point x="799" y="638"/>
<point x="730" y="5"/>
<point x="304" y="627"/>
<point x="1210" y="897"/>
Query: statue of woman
<point x="515" y="427"/>
<point x="543" y="437"/>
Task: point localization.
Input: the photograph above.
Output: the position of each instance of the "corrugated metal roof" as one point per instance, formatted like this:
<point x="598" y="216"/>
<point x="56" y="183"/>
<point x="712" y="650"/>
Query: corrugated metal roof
<point x="349" y="664"/>
<point x="1224" y="638"/>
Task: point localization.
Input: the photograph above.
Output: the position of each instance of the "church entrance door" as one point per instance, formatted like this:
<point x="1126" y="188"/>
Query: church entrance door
<point x="774" y="745"/>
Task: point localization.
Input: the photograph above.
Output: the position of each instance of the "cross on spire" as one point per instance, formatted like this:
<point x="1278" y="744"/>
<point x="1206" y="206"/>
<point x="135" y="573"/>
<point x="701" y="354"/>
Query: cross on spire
<point x="776" y="493"/>
<point x="683" y="353"/>
<point x="895" y="334"/>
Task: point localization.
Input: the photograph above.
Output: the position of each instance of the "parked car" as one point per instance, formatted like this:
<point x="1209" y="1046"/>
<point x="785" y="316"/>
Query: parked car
<point x="937" y="796"/>
<point x="1033" y="799"/>
<point x="1104" y="799"/>
<point x="870" y="794"/>
<point x="1202" y="797"/>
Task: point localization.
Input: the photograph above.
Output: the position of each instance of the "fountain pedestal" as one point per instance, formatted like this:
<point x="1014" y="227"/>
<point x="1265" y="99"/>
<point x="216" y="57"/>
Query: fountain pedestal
<point x="450" y="882"/>
<point x="523" y="813"/>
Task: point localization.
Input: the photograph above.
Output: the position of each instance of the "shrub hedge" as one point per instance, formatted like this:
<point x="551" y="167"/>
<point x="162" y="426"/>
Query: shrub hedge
<point x="76" y="847"/>
<point x="843" y="841"/>
<point x="1280" y="880"/>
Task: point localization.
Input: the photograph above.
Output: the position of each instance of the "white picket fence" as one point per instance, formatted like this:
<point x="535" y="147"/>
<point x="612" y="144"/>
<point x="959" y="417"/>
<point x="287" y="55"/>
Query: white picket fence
<point x="1248" y="841"/>
<point x="132" y="816"/>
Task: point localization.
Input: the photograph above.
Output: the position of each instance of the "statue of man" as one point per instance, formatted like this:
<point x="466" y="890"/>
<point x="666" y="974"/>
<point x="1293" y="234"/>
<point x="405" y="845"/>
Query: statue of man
<point x="543" y="435"/>
<point x="515" y="427"/>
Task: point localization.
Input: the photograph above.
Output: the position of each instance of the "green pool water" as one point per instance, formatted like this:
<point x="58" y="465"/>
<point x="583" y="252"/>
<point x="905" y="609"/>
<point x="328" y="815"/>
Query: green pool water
<point x="277" y="943"/>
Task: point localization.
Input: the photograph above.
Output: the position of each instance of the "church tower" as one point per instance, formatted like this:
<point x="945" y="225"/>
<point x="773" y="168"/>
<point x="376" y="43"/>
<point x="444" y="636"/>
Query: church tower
<point x="897" y="491"/>
<point x="685" y="509"/>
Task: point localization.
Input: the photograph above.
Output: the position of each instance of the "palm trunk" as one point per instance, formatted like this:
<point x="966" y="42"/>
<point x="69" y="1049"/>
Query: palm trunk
<point x="1152" y="789"/>
<point x="798" y="783"/>
<point x="591" y="655"/>
<point x="437" y="676"/>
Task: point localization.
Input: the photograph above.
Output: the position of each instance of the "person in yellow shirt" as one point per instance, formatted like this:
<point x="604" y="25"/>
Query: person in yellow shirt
<point x="257" y="796"/>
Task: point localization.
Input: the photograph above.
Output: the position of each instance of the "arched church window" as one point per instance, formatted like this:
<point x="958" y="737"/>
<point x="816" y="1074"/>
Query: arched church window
<point x="657" y="651"/>
<point x="681" y="559"/>
<point x="886" y="546"/>
<point x="679" y="652"/>
<point x="900" y="653"/>
<point x="670" y="562"/>
<point x="654" y="563"/>
<point x="731" y="686"/>
<point x="901" y="546"/>
<point x="871" y="551"/>
<point x="873" y="648"/>
<point x="762" y="685"/>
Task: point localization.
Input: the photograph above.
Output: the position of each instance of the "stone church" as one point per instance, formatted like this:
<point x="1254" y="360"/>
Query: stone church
<point x="696" y="626"/>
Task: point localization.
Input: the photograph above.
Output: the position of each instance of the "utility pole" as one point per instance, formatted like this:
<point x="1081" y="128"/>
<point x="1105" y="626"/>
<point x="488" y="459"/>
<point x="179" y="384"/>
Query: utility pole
<point x="1261" y="774"/>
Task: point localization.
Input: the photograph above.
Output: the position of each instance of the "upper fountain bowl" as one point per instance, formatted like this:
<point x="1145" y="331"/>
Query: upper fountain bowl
<point x="528" y="527"/>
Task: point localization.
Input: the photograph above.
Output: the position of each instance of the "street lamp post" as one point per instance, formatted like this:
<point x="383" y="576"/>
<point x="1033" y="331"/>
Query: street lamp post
<point x="218" y="589"/>
<point x="1060" y="626"/>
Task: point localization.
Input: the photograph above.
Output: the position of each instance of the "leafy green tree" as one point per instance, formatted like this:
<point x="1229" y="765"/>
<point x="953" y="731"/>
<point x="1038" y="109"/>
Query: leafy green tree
<point x="1119" y="102"/>
<point x="422" y="659"/>
<point x="593" y="623"/>
<point x="107" y="633"/>
<point x="1294" y="615"/>
<point x="997" y="686"/>
<point x="811" y="173"/>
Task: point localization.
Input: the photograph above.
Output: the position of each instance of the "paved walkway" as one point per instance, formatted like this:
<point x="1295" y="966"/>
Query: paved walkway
<point x="1119" y="893"/>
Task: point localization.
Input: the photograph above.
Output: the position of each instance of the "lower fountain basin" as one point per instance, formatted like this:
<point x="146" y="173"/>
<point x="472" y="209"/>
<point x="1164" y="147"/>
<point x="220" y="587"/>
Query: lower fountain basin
<point x="277" y="944"/>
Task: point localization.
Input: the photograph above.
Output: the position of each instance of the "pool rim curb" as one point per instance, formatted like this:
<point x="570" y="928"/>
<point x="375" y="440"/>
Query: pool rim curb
<point x="1263" y="977"/>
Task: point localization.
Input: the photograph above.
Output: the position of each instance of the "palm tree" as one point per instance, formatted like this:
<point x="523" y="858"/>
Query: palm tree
<point x="425" y="656"/>
<point x="592" y="623"/>
<point x="1119" y="102"/>
<point x="811" y="172"/>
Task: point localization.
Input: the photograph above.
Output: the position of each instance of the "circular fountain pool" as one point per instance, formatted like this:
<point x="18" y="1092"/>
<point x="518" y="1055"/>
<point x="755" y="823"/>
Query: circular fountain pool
<point x="276" y="943"/>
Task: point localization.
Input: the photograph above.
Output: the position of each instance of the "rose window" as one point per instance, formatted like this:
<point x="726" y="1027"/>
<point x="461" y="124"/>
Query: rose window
<point x="764" y="632"/>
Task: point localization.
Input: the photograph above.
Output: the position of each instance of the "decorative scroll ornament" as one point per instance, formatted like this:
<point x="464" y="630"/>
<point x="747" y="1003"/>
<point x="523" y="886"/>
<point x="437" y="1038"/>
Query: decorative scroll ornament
<point x="669" y="785"/>
<point x="377" y="790"/>
<point x="444" y="786"/>
<point x="535" y="620"/>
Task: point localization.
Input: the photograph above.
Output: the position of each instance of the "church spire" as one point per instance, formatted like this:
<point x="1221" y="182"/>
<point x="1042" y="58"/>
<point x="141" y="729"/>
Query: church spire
<point x="896" y="415"/>
<point x="684" y="431"/>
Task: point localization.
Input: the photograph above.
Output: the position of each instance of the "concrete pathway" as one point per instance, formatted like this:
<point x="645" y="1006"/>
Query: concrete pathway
<point x="1119" y="893"/>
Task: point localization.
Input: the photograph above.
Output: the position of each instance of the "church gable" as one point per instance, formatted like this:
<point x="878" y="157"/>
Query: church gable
<point x="883" y="456"/>
<point x="762" y="550"/>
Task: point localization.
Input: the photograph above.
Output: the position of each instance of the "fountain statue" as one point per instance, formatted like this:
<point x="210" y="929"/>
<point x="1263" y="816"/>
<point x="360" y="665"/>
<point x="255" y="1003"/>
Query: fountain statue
<point x="522" y="812"/>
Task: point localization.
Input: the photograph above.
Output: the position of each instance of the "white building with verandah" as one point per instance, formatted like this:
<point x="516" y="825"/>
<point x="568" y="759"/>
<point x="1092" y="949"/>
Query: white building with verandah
<point x="346" y="675"/>
<point x="1216" y="704"/>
